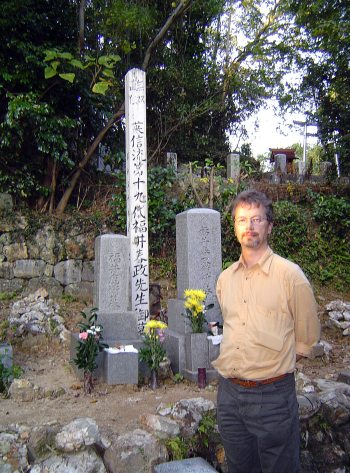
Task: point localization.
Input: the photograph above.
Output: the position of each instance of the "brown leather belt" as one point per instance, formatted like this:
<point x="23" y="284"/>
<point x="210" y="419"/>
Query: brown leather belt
<point x="247" y="383"/>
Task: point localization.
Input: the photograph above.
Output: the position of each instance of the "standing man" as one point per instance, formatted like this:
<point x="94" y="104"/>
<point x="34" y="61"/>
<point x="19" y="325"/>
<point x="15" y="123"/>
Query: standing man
<point x="270" y="322"/>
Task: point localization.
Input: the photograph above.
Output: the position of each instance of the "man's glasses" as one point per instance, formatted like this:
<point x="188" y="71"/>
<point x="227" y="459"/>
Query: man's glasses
<point x="242" y="221"/>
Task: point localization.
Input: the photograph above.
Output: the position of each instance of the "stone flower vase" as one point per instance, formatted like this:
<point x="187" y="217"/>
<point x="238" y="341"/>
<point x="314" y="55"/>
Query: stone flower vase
<point x="154" y="379"/>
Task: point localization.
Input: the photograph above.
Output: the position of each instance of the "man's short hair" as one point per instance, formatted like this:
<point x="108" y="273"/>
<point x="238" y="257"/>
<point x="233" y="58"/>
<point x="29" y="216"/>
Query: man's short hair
<point x="254" y="197"/>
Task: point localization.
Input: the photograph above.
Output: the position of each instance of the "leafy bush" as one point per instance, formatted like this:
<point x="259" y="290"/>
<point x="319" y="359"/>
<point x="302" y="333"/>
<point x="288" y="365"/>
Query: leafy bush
<point x="332" y="213"/>
<point x="290" y="230"/>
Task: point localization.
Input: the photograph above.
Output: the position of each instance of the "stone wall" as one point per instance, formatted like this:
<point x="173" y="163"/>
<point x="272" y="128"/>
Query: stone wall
<point x="49" y="254"/>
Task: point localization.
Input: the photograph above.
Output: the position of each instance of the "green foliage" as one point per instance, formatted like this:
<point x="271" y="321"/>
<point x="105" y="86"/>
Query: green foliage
<point x="90" y="342"/>
<point x="178" y="448"/>
<point x="290" y="229"/>
<point x="178" y="378"/>
<point x="7" y="296"/>
<point x="206" y="428"/>
<point x="332" y="214"/>
<point x="7" y="374"/>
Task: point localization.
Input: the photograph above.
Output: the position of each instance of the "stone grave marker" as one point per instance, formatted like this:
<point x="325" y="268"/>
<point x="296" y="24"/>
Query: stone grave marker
<point x="233" y="166"/>
<point x="199" y="263"/>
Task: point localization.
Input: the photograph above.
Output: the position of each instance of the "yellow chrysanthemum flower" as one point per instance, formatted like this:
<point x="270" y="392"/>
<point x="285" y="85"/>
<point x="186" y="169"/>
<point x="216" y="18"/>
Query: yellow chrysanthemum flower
<point x="154" y="325"/>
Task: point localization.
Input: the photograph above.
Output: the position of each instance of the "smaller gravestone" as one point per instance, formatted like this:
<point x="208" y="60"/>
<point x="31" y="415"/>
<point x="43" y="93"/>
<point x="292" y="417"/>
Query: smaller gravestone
<point x="233" y="166"/>
<point x="171" y="161"/>
<point x="119" y="363"/>
<point x="281" y="163"/>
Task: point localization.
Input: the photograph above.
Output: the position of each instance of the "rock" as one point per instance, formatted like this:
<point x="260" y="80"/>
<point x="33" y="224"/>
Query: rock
<point x="309" y="405"/>
<point x="82" y="290"/>
<point x="13" y="453"/>
<point x="161" y="426"/>
<point x="6" y="270"/>
<point x="25" y="391"/>
<point x="344" y="377"/>
<point x="137" y="451"/>
<point x="189" y="413"/>
<point x="303" y="383"/>
<point x="28" y="269"/>
<point x="42" y="441"/>
<point x="87" y="461"/>
<point x="36" y="314"/>
<point x="68" y="272"/>
<point x="88" y="271"/>
<point x="78" y="434"/>
<point x="15" y="251"/>
<point x="52" y="286"/>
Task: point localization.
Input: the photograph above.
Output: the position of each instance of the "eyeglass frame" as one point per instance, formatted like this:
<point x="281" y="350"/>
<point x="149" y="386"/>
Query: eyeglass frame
<point x="252" y="220"/>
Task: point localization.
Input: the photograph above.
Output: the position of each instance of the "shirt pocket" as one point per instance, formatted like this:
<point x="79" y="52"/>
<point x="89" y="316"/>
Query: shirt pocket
<point x="269" y="328"/>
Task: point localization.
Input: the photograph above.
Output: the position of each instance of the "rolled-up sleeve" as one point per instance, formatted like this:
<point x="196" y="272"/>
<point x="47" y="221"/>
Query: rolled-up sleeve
<point x="306" y="322"/>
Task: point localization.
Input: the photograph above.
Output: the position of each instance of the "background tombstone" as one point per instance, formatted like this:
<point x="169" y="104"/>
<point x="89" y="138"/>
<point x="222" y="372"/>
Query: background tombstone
<point x="199" y="263"/>
<point x="301" y="171"/>
<point x="233" y="166"/>
<point x="171" y="161"/>
<point x="281" y="163"/>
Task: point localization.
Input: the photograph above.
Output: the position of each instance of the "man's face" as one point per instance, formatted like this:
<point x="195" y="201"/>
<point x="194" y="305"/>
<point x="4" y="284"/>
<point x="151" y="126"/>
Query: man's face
<point x="251" y="226"/>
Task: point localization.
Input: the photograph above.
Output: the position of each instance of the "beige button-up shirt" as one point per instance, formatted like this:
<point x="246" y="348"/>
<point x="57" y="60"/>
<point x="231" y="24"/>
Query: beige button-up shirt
<point x="269" y="314"/>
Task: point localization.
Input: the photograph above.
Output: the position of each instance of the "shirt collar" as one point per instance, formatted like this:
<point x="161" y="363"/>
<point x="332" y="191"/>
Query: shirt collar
<point x="264" y="262"/>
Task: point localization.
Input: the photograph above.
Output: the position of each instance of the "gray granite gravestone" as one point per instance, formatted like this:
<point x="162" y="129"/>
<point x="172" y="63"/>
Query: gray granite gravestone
<point x="199" y="263"/>
<point x="281" y="163"/>
<point x="112" y="299"/>
<point x="233" y="166"/>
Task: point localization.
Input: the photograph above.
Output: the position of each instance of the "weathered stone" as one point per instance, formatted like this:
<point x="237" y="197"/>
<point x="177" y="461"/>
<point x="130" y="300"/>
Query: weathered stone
<point x="88" y="272"/>
<point x="303" y="383"/>
<point x="6" y="270"/>
<point x="344" y="377"/>
<point x="87" y="461"/>
<point x="80" y="247"/>
<point x="82" y="290"/>
<point x="80" y="433"/>
<point x="28" y="269"/>
<point x="52" y="286"/>
<point x="25" y="391"/>
<point x="46" y="245"/>
<point x="11" y="285"/>
<point x="189" y="413"/>
<point x="68" y="272"/>
<point x="18" y="222"/>
<point x="309" y="404"/>
<point x="48" y="272"/>
<point x="189" y="465"/>
<point x="42" y="441"/>
<point x="160" y="426"/>
<point x="137" y="451"/>
<point x="13" y="453"/>
<point x="15" y="251"/>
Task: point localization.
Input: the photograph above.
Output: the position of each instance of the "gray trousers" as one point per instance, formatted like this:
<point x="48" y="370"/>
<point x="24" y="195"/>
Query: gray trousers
<point x="259" y="426"/>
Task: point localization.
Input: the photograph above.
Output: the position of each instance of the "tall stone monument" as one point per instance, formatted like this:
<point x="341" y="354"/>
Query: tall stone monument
<point x="136" y="191"/>
<point x="199" y="263"/>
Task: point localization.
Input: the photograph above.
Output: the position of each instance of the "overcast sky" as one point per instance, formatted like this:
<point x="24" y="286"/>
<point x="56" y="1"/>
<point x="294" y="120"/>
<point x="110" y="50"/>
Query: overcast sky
<point x="275" y="133"/>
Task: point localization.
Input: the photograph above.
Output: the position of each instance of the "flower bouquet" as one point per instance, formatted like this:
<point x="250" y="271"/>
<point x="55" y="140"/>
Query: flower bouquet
<point x="195" y="308"/>
<point x="153" y="352"/>
<point x="89" y="345"/>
